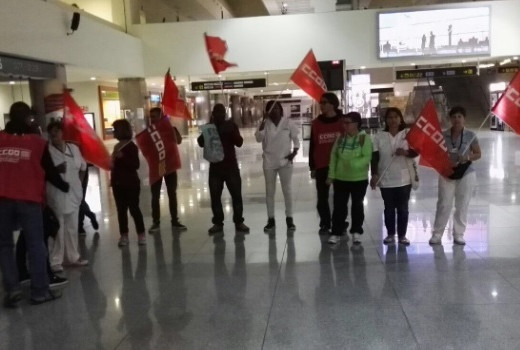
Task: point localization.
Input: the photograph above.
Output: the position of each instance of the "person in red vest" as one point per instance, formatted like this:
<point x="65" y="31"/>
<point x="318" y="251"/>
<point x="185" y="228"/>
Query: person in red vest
<point x="23" y="160"/>
<point x="171" y="187"/>
<point x="324" y="131"/>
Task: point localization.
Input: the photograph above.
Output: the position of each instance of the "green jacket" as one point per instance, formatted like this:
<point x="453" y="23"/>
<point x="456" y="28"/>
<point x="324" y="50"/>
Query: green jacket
<point x="350" y="157"/>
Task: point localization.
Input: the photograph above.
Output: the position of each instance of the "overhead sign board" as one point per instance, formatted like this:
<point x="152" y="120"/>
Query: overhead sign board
<point x="435" y="73"/>
<point x="21" y="67"/>
<point x="228" y="84"/>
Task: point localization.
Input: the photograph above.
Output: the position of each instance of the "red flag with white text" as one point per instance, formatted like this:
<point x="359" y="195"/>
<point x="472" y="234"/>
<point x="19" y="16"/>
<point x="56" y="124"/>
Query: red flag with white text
<point x="507" y="107"/>
<point x="172" y="104"/>
<point x="217" y="49"/>
<point x="309" y="78"/>
<point x="425" y="137"/>
<point x="159" y="147"/>
<point x="76" y="129"/>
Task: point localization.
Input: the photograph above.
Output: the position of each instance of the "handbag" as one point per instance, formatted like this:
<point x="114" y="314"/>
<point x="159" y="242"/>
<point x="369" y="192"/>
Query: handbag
<point x="414" y="175"/>
<point x="51" y="224"/>
<point x="460" y="170"/>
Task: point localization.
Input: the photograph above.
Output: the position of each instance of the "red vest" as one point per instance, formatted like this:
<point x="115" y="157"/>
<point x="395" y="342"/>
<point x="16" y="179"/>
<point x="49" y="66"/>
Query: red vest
<point x="324" y="135"/>
<point x="21" y="174"/>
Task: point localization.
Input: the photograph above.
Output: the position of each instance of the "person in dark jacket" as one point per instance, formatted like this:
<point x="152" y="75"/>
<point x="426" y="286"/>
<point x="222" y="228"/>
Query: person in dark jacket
<point x="125" y="182"/>
<point x="325" y="130"/>
<point x="225" y="172"/>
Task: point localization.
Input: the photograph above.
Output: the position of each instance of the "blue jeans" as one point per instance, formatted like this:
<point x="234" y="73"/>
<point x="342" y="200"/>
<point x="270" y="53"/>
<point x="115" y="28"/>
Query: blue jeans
<point x="28" y="216"/>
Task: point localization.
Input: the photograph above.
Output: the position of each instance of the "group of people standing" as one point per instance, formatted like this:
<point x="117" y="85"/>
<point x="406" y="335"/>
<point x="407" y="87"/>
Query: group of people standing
<point x="341" y="154"/>
<point x="34" y="172"/>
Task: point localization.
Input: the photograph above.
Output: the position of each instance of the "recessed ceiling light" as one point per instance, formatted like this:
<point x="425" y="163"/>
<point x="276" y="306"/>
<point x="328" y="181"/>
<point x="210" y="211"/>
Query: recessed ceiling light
<point x="12" y="83"/>
<point x="92" y="78"/>
<point x="362" y="67"/>
<point x="261" y="90"/>
<point x="412" y="64"/>
<point x="266" y="73"/>
<point x="515" y="58"/>
<point x="463" y="61"/>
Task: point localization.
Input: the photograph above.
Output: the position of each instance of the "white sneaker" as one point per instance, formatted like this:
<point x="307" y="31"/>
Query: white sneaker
<point x="356" y="238"/>
<point x="459" y="239"/>
<point x="333" y="239"/>
<point x="436" y="238"/>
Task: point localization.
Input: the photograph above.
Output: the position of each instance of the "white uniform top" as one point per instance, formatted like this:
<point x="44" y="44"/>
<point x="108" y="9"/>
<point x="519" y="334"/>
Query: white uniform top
<point x="397" y="174"/>
<point x="59" y="201"/>
<point x="276" y="142"/>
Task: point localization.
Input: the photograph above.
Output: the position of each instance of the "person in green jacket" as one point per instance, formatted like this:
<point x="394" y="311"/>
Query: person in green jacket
<point x="348" y="172"/>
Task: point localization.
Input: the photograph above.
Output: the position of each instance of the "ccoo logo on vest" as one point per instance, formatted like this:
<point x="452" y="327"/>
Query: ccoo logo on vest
<point x="14" y="155"/>
<point x="159" y="146"/>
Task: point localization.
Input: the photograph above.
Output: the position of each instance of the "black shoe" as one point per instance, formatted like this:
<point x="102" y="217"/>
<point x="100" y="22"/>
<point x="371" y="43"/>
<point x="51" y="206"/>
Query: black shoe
<point x="241" y="227"/>
<point x="216" y="229"/>
<point x="290" y="223"/>
<point x="12" y="299"/>
<point x="94" y="222"/>
<point x="57" y="281"/>
<point x="270" y="225"/>
<point x="178" y="226"/>
<point x="51" y="295"/>
<point x="155" y="227"/>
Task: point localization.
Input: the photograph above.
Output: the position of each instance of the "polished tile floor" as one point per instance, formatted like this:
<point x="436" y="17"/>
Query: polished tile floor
<point x="192" y="291"/>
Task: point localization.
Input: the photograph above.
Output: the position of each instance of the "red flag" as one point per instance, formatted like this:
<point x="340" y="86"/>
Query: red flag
<point x="507" y="107"/>
<point x="309" y="78"/>
<point x="171" y="103"/>
<point x="425" y="136"/>
<point x="217" y="48"/>
<point x="76" y="129"/>
<point x="159" y="147"/>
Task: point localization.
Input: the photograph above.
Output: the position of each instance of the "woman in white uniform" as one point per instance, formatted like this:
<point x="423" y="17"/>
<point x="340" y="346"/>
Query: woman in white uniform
<point x="63" y="249"/>
<point x="394" y="171"/>
<point x="277" y="134"/>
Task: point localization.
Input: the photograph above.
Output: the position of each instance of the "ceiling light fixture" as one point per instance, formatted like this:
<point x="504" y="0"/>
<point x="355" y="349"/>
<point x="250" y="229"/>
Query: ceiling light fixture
<point x="362" y="67"/>
<point x="92" y="78"/>
<point x="506" y="61"/>
<point x="12" y="82"/>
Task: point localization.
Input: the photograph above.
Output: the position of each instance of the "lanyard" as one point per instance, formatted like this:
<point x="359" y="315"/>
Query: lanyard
<point x="461" y="138"/>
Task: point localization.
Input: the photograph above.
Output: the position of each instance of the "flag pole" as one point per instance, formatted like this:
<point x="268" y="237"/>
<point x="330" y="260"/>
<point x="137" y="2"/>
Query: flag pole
<point x="279" y="95"/>
<point x="384" y="171"/>
<point x="475" y="136"/>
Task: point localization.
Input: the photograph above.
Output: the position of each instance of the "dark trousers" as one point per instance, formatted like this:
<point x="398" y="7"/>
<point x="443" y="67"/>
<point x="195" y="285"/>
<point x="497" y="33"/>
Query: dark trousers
<point x="21" y="256"/>
<point x="171" y="187"/>
<point x="127" y="198"/>
<point x="28" y="215"/>
<point x="231" y="177"/>
<point x="84" y="209"/>
<point x="322" y="190"/>
<point x="343" y="190"/>
<point x="396" y="200"/>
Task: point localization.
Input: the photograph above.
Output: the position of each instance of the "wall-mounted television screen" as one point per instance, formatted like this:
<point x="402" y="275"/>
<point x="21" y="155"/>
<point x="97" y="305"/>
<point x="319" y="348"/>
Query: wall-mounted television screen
<point x="433" y="33"/>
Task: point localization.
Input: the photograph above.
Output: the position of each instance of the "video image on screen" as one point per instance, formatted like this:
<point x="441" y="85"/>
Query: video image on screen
<point x="448" y="32"/>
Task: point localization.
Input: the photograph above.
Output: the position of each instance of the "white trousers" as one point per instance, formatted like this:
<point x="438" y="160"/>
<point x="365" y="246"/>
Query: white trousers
<point x="285" y="174"/>
<point x="450" y="190"/>
<point x="64" y="248"/>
